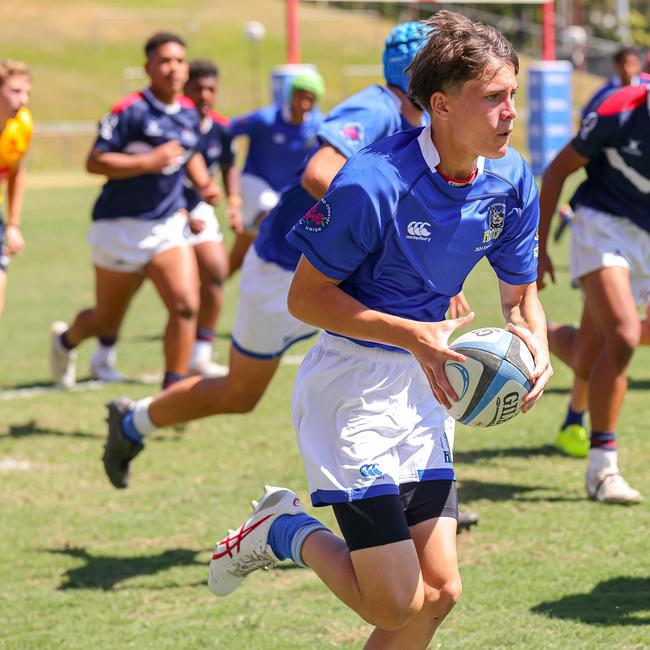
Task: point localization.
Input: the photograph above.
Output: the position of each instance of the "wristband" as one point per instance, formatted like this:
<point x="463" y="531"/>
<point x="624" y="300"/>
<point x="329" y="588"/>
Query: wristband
<point x="234" y="200"/>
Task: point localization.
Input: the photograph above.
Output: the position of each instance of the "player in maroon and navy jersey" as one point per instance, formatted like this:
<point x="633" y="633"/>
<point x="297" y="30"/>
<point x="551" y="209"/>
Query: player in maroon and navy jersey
<point x="145" y="147"/>
<point x="610" y="257"/>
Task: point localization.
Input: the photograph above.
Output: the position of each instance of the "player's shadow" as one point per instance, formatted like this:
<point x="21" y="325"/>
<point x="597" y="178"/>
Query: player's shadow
<point x="105" y="571"/>
<point x="504" y="452"/>
<point x="618" y="601"/>
<point x="32" y="428"/>
<point x="471" y="490"/>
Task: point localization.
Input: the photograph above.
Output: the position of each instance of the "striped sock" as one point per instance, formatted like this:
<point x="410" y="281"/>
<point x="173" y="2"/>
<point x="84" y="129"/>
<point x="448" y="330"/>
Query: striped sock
<point x="604" y="440"/>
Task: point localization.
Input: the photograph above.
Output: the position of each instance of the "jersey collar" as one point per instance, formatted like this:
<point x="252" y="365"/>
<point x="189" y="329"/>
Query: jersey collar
<point x="431" y="155"/>
<point x="170" y="109"/>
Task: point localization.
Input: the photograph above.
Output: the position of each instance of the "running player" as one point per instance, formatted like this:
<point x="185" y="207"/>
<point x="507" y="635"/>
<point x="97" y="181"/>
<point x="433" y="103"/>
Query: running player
<point x="279" y="138"/>
<point x="369" y="397"/>
<point x="264" y="329"/>
<point x="144" y="148"/>
<point x="610" y="256"/>
<point x="16" y="127"/>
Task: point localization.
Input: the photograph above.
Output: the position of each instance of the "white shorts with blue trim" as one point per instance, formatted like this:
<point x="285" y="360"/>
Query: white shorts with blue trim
<point x="367" y="422"/>
<point x="600" y="240"/>
<point x="258" y="198"/>
<point x="264" y="328"/>
<point x="211" y="232"/>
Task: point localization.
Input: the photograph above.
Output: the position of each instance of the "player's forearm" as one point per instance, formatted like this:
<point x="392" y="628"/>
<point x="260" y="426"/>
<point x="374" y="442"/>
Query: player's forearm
<point x="15" y="194"/>
<point x="118" y="166"/>
<point x="552" y="183"/>
<point x="328" y="307"/>
<point x="231" y="181"/>
<point x="197" y="171"/>
<point x="525" y="311"/>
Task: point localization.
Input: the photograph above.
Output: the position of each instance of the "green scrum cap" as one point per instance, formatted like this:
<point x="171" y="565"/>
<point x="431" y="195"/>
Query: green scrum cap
<point x="310" y="81"/>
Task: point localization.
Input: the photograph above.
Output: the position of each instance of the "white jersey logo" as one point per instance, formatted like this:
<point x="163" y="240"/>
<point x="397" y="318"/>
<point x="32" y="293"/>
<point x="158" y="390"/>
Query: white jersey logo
<point x="152" y="129"/>
<point x="633" y="148"/>
<point x="419" y="230"/>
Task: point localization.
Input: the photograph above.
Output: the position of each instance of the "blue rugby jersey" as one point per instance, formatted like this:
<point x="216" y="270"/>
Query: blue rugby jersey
<point x="216" y="147"/>
<point x="136" y="125"/>
<point x="276" y="148"/>
<point x="368" y="115"/>
<point x="402" y="240"/>
<point x="616" y="139"/>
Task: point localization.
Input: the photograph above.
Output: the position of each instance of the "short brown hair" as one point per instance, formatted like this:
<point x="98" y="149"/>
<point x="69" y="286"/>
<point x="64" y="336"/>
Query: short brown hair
<point x="161" y="38"/>
<point x="9" y="68"/>
<point x="457" y="50"/>
<point x="202" y="68"/>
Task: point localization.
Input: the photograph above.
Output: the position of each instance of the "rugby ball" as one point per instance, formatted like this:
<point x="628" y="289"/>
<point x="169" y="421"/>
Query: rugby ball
<point x="492" y="382"/>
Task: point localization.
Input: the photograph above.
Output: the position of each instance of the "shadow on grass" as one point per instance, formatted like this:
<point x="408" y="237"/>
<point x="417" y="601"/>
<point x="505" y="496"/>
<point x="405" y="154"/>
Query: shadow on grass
<point x="505" y="452"/>
<point x="470" y="490"/>
<point x="618" y="601"/>
<point x="32" y="428"/>
<point x="105" y="572"/>
<point x="139" y="338"/>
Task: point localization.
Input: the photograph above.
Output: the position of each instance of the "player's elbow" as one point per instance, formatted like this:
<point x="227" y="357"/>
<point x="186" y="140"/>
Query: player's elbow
<point x="93" y="165"/>
<point x="295" y="302"/>
<point x="312" y="183"/>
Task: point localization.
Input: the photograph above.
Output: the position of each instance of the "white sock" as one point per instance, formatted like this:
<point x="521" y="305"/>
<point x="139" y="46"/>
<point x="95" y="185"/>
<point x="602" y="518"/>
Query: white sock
<point x="201" y="351"/>
<point x="603" y="459"/>
<point x="141" y="418"/>
<point x="105" y="355"/>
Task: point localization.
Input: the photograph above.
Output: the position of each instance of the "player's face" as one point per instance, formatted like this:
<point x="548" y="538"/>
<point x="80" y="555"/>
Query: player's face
<point x="203" y="92"/>
<point x="628" y="68"/>
<point x="14" y="94"/>
<point x="482" y="112"/>
<point x="302" y="101"/>
<point x="167" y="69"/>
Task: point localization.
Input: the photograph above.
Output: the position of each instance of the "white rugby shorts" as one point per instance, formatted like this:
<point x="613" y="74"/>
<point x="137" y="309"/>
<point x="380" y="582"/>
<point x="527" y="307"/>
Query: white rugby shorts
<point x="128" y="244"/>
<point x="367" y="422"/>
<point x="211" y="232"/>
<point x="264" y="328"/>
<point x="600" y="240"/>
<point x="258" y="197"/>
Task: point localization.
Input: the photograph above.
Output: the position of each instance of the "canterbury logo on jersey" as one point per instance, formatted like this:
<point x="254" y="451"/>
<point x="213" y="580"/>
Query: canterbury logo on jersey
<point x="419" y="230"/>
<point x="371" y="470"/>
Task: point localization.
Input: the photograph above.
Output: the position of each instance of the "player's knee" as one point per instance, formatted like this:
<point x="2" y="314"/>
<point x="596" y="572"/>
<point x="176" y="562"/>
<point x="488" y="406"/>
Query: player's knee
<point x="185" y="307"/>
<point x="395" y="610"/>
<point x="213" y="281"/>
<point x="244" y="402"/>
<point x="447" y="595"/>
<point x="623" y="341"/>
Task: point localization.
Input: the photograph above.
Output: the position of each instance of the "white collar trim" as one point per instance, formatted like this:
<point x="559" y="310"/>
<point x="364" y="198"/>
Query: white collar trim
<point x="432" y="157"/>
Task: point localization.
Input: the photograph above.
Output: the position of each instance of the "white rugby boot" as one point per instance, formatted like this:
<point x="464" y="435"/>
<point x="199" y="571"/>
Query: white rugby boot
<point x="604" y="480"/>
<point x="63" y="362"/>
<point x="201" y="362"/>
<point x="244" y="550"/>
<point x="102" y="364"/>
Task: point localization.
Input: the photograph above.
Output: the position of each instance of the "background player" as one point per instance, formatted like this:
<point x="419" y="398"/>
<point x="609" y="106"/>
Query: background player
<point x="610" y="256"/>
<point x="279" y="138"/>
<point x="143" y="148"/>
<point x="264" y="329"/>
<point x="16" y="127"/>
<point x="372" y="430"/>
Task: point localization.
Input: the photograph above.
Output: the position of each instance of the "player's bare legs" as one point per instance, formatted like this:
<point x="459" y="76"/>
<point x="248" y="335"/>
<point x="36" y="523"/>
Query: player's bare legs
<point x="175" y="276"/>
<point x="113" y="291"/>
<point x="195" y="397"/>
<point x="407" y="600"/>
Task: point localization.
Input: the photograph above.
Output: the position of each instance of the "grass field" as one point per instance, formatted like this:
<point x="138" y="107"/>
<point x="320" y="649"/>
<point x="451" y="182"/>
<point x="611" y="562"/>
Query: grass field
<point x="84" y="565"/>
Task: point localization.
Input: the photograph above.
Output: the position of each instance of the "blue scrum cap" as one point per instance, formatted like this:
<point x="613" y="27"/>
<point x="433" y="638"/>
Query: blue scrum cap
<point x="402" y="45"/>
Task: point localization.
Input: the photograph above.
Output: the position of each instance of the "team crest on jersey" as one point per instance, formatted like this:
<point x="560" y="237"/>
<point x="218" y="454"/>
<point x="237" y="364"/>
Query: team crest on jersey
<point x="279" y="138"/>
<point x="496" y="219"/>
<point x="107" y="125"/>
<point x="152" y="129"/>
<point x="214" y="150"/>
<point x="318" y="218"/>
<point x="353" y="131"/>
<point x="188" y="138"/>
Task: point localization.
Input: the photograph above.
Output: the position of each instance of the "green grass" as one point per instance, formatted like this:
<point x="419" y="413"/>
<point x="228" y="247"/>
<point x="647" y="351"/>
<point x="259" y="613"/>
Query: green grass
<point x="84" y="565"/>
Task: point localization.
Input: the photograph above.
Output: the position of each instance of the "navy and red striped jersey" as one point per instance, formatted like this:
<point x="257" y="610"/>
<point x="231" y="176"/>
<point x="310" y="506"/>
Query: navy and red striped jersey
<point x="137" y="124"/>
<point x="616" y="139"/>
<point x="216" y="147"/>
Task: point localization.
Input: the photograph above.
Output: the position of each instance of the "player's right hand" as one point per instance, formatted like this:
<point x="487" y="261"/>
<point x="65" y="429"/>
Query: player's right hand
<point x="431" y="350"/>
<point x="544" y="266"/>
<point x="166" y="155"/>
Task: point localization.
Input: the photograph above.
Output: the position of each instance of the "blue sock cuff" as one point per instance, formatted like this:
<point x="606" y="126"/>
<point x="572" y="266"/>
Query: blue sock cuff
<point x="287" y="534"/>
<point x="574" y="417"/>
<point x="129" y="430"/>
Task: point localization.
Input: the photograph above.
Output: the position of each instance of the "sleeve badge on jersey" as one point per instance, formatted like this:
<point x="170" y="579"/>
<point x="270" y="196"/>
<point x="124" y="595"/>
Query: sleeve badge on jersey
<point x="588" y="125"/>
<point x="353" y="131"/>
<point x="106" y="126"/>
<point x="318" y="218"/>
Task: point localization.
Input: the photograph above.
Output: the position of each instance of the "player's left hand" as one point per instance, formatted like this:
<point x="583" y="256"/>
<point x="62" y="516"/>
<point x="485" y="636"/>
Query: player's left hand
<point x="196" y="225"/>
<point x="458" y="306"/>
<point x="211" y="193"/>
<point x="14" y="239"/>
<point x="542" y="371"/>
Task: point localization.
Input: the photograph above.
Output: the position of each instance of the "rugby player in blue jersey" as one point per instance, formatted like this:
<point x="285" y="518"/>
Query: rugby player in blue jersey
<point x="279" y="139"/>
<point x="390" y="243"/>
<point x="610" y="257"/>
<point x="264" y="329"/>
<point x="145" y="147"/>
